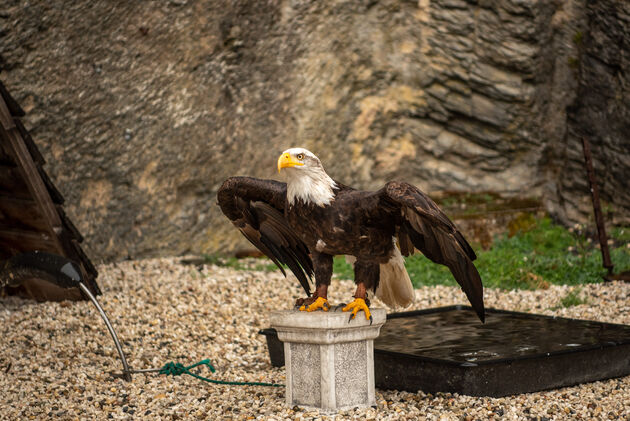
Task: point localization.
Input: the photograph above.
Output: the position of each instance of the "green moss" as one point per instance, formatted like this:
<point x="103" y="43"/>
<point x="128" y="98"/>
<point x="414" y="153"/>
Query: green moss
<point x="572" y="299"/>
<point x="467" y="203"/>
<point x="578" y="38"/>
<point x="464" y="205"/>
<point x="523" y="222"/>
<point x="456" y="199"/>
<point x="620" y="234"/>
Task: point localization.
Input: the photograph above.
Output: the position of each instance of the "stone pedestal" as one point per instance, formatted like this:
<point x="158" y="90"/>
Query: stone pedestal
<point x="329" y="361"/>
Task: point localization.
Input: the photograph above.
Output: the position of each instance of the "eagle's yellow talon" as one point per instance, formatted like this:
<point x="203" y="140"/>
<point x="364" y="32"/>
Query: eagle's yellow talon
<point x="357" y="305"/>
<point x="319" y="303"/>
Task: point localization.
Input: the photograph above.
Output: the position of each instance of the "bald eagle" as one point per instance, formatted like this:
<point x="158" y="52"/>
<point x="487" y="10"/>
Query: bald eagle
<point x="309" y="219"/>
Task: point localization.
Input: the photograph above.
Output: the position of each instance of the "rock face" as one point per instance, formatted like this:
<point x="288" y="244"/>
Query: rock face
<point x="601" y="113"/>
<point x="142" y="109"/>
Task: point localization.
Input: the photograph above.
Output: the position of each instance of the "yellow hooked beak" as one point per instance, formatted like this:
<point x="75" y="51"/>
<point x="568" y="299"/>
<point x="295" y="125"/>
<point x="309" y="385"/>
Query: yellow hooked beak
<point x="286" y="160"/>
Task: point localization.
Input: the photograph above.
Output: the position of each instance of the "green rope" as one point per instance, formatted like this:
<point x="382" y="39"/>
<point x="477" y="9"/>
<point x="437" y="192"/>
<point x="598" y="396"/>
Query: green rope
<point x="177" y="369"/>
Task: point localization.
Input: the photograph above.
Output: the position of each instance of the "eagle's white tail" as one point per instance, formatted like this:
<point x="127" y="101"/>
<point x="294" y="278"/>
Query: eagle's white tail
<point x="394" y="288"/>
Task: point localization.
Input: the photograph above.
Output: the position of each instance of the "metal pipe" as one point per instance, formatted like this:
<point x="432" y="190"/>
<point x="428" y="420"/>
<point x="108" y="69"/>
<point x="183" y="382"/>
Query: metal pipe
<point x="599" y="219"/>
<point x="146" y="370"/>
<point x="126" y="370"/>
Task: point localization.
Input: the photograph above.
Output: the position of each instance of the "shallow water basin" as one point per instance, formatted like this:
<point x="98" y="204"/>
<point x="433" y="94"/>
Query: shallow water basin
<point x="449" y="350"/>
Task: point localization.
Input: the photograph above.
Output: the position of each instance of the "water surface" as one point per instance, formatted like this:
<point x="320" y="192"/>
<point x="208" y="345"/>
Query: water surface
<point x="457" y="335"/>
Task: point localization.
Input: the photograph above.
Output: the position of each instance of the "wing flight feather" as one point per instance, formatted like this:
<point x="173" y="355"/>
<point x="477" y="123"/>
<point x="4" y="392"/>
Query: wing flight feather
<point x="256" y="207"/>
<point x="422" y="225"/>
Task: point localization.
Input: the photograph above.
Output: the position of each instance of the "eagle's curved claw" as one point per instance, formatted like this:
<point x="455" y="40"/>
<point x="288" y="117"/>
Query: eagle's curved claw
<point x="319" y="303"/>
<point x="357" y="305"/>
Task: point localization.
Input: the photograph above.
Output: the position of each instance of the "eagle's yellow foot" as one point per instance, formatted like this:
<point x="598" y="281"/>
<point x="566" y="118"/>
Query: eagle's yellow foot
<point x="357" y="305"/>
<point x="319" y="303"/>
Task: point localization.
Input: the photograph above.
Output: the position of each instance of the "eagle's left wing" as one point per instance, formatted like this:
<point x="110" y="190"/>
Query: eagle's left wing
<point x="256" y="208"/>
<point x="422" y="225"/>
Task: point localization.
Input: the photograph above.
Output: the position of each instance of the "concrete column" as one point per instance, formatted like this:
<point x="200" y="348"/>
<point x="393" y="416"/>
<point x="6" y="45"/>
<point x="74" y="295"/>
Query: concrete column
<point x="329" y="361"/>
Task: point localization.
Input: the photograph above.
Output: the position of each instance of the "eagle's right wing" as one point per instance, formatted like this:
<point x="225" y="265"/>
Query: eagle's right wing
<point x="422" y="225"/>
<point x="256" y="208"/>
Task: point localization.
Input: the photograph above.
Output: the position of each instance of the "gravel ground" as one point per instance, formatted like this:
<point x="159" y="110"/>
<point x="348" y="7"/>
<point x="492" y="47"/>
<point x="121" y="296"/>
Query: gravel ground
<point x="56" y="358"/>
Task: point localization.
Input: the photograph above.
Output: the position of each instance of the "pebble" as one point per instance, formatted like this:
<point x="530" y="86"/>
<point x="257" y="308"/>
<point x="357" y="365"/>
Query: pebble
<point x="56" y="359"/>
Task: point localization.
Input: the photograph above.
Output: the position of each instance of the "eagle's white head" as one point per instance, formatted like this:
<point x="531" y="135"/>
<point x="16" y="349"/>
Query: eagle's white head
<point x="306" y="178"/>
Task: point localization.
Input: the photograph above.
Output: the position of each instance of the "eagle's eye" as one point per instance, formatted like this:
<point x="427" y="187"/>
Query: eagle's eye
<point x="300" y="156"/>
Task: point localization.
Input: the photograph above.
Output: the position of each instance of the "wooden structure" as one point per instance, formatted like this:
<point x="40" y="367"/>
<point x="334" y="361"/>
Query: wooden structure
<point x="31" y="212"/>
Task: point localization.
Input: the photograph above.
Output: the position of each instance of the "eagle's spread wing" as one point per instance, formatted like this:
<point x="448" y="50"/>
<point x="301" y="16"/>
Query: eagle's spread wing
<point x="421" y="224"/>
<point x="256" y="207"/>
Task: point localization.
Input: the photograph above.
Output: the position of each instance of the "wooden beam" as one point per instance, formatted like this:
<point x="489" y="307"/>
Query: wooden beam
<point x="32" y="178"/>
<point x="5" y="157"/>
<point x="55" y="194"/>
<point x="20" y="241"/>
<point x="68" y="225"/>
<point x="38" y="158"/>
<point x="12" y="104"/>
<point x="21" y="213"/>
<point x="12" y="184"/>
<point x="6" y="120"/>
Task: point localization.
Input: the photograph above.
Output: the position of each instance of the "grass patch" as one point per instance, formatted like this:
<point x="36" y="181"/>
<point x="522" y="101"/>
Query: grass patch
<point x="572" y="299"/>
<point x="542" y="255"/>
<point x="260" y="264"/>
<point x="621" y="235"/>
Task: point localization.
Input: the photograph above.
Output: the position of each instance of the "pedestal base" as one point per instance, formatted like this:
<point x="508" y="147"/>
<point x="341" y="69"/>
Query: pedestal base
<point x="329" y="361"/>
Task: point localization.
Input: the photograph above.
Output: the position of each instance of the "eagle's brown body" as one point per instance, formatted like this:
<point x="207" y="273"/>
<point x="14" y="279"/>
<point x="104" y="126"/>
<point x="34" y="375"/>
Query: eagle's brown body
<point x="352" y="224"/>
<point x="305" y="236"/>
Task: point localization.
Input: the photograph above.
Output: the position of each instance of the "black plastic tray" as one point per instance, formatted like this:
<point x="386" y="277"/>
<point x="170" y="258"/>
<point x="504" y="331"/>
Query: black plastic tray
<point x="448" y="350"/>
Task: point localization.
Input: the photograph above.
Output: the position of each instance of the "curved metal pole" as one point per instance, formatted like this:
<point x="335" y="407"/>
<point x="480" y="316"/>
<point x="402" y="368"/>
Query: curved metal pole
<point x="126" y="371"/>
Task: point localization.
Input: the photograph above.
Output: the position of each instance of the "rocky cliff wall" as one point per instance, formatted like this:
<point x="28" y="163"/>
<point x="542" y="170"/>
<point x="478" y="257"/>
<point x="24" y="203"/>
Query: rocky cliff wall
<point x="143" y="108"/>
<point x="601" y="113"/>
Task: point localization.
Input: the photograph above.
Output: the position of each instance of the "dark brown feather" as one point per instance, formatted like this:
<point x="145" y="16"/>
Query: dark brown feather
<point x="256" y="208"/>
<point x="425" y="226"/>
